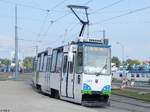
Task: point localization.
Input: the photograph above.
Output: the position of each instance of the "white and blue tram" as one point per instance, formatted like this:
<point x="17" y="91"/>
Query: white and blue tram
<point x="79" y="72"/>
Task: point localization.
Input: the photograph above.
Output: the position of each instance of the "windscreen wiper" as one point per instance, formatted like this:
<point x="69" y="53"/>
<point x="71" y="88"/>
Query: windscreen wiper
<point x="104" y="67"/>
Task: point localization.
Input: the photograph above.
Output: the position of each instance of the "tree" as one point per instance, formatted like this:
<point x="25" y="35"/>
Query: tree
<point x="116" y="61"/>
<point x="5" y="62"/>
<point x="28" y="62"/>
<point x="131" y="62"/>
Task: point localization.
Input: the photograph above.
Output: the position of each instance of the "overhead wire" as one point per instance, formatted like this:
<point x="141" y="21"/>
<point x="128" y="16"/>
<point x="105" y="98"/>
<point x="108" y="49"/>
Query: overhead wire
<point x="24" y="5"/>
<point x="29" y="40"/>
<point x="124" y="14"/>
<point x="44" y="22"/>
<point x="42" y="9"/>
<point x="60" y="3"/>
<point x="86" y="3"/>
<point x="29" y="6"/>
<point x="60" y="18"/>
<point x="38" y="8"/>
<point x="107" y="6"/>
<point x="73" y="26"/>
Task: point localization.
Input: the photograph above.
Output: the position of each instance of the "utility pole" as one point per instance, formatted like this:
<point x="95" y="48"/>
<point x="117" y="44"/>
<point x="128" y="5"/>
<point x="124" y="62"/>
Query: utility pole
<point x="36" y="57"/>
<point x="104" y="34"/>
<point x="36" y="50"/>
<point x="123" y="51"/>
<point x="16" y="45"/>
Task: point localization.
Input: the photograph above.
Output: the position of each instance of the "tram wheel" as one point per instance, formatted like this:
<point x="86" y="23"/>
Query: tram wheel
<point x="55" y="94"/>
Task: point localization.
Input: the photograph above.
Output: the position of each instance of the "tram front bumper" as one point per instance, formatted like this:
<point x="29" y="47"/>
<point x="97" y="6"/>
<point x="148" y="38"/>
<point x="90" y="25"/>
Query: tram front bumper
<point x="95" y="100"/>
<point x="95" y="103"/>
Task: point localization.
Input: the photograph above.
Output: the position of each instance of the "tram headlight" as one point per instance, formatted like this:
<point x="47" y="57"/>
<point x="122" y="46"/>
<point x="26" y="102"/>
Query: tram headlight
<point x="106" y="89"/>
<point x="86" y="87"/>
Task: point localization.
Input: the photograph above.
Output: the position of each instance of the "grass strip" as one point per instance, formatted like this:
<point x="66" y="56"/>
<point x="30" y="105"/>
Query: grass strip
<point x="144" y="96"/>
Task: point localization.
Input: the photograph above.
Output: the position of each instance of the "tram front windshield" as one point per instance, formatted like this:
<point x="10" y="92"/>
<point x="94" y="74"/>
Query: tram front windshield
<point x="96" y="60"/>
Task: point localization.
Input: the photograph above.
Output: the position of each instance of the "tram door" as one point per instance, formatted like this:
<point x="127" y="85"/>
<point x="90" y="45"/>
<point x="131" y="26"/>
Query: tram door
<point x="70" y="84"/>
<point x="67" y="77"/>
<point x="64" y="76"/>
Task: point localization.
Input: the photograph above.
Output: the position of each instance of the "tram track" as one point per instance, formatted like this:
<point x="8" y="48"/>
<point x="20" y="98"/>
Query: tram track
<point x="130" y="103"/>
<point x="124" y="104"/>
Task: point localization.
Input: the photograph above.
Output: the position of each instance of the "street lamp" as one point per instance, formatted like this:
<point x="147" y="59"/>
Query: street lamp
<point x="122" y="47"/>
<point x="104" y="33"/>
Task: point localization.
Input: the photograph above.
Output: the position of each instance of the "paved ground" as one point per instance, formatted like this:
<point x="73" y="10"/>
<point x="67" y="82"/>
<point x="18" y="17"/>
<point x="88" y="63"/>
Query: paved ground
<point x="19" y="96"/>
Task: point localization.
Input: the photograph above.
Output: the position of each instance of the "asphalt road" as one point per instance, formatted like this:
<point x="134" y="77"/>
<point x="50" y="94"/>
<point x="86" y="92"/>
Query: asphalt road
<point x="19" y="96"/>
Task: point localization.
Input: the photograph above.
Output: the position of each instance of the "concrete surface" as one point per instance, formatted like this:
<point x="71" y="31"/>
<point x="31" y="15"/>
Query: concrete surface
<point x="17" y="96"/>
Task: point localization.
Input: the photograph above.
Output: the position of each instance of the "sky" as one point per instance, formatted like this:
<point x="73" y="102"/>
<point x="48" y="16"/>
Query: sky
<point x="58" y="26"/>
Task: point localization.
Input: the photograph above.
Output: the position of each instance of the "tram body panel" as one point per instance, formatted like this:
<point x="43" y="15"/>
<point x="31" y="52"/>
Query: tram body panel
<point x="96" y="83"/>
<point x="45" y="86"/>
<point x="41" y="80"/>
<point x="55" y="81"/>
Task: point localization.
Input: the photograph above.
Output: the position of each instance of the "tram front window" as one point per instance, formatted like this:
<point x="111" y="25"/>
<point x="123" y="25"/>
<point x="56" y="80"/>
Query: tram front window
<point x="96" y="60"/>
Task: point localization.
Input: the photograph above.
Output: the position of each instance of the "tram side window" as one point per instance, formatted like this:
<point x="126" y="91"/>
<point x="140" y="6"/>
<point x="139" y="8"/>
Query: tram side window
<point x="38" y="63"/>
<point x="137" y="75"/>
<point x="44" y="62"/>
<point x="132" y="75"/>
<point x="34" y="64"/>
<point x="120" y="75"/>
<point x="41" y="62"/>
<point x="54" y="57"/>
<point x="59" y="62"/>
<point x="48" y="64"/>
<point x="148" y="75"/>
<point x="65" y="64"/>
<point x="71" y="66"/>
<point x="143" y="75"/>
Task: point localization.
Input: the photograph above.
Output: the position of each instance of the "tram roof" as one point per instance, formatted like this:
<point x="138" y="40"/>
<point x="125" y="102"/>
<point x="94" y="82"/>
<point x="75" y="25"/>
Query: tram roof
<point x="94" y="44"/>
<point x="87" y="42"/>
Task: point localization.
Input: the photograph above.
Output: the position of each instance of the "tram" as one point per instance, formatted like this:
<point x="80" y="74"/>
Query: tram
<point x="78" y="72"/>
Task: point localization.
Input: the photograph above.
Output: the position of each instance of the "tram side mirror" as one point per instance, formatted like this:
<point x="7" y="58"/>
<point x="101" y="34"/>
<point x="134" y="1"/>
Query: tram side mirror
<point x="70" y="56"/>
